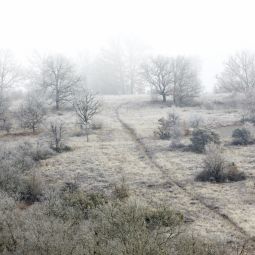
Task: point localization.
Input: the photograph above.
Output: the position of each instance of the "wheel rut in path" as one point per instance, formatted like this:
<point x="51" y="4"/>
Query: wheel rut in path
<point x="143" y="149"/>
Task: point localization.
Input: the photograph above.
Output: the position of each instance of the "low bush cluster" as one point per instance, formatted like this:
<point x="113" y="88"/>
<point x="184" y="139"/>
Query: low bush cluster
<point x="111" y="227"/>
<point x="169" y="127"/>
<point x="242" y="136"/>
<point x="17" y="176"/>
<point x="217" y="169"/>
<point x="201" y="137"/>
<point x="121" y="191"/>
<point x="72" y="203"/>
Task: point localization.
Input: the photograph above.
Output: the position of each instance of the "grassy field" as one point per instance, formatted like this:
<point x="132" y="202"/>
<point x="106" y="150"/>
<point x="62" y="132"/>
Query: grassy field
<point x="125" y="147"/>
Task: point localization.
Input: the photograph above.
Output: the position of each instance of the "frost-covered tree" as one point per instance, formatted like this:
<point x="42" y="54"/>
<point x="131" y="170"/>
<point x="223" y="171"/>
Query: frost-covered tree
<point x="238" y="74"/>
<point x="176" y="77"/>
<point x="9" y="71"/>
<point x="86" y="106"/>
<point x="185" y="84"/>
<point x="31" y="113"/>
<point x="58" y="77"/>
<point x="158" y="73"/>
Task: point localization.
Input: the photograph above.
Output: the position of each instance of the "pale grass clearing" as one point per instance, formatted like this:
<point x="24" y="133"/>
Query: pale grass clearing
<point x="236" y="200"/>
<point x="112" y="153"/>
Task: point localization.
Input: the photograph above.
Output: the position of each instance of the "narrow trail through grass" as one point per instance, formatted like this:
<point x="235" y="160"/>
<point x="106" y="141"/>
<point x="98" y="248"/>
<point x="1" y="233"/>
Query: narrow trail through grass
<point x="132" y="132"/>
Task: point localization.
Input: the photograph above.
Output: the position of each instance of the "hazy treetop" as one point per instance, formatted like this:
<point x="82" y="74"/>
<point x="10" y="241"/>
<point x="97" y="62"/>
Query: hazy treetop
<point x="210" y="30"/>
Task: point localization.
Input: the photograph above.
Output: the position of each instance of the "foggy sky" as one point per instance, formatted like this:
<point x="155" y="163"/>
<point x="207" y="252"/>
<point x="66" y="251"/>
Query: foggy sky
<point x="209" y="30"/>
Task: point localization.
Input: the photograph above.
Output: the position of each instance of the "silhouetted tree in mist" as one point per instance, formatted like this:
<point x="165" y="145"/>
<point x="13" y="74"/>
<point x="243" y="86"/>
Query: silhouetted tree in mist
<point x="58" y="77"/>
<point x="238" y="74"/>
<point x="9" y="71"/>
<point x="86" y="106"/>
<point x="175" y="77"/>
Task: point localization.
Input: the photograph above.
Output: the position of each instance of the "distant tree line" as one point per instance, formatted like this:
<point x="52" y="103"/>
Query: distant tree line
<point x="120" y="69"/>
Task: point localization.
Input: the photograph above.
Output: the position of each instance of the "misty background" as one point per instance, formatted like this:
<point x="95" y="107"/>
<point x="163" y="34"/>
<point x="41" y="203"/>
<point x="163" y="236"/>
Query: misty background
<point x="92" y="31"/>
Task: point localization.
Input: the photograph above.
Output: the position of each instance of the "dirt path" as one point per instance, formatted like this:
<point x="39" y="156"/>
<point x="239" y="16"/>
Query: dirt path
<point x="115" y="151"/>
<point x="195" y="203"/>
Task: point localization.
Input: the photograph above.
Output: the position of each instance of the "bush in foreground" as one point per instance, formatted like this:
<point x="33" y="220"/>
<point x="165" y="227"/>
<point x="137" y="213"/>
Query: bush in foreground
<point x="17" y="164"/>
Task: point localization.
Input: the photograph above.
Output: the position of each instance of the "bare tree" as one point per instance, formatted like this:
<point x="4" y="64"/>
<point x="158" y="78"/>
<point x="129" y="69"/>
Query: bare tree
<point x="57" y="135"/>
<point x="238" y="74"/>
<point x="174" y="77"/>
<point x="31" y="113"/>
<point x="9" y="73"/>
<point x="108" y="71"/>
<point x="117" y="68"/>
<point x="86" y="105"/>
<point x="57" y="75"/>
<point x="158" y="73"/>
<point x="185" y="83"/>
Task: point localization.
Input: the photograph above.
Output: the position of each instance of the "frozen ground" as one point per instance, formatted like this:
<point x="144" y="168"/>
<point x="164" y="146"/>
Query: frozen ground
<point x="156" y="174"/>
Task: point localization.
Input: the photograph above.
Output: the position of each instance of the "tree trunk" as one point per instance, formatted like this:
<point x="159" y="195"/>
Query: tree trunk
<point x="57" y="99"/>
<point x="57" y="105"/>
<point x="164" y="98"/>
<point x="87" y="133"/>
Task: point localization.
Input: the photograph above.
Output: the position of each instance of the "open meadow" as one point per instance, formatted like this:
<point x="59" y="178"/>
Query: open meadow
<point x="125" y="158"/>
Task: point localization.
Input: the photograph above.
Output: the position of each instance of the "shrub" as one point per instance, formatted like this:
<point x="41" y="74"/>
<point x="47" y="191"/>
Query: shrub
<point x="233" y="174"/>
<point x="123" y="227"/>
<point x="121" y="191"/>
<point x="31" y="189"/>
<point x="192" y="246"/>
<point x="168" y="127"/>
<point x="216" y="169"/>
<point x="196" y="121"/>
<point x="241" y="136"/>
<point x="31" y="113"/>
<point x="41" y="151"/>
<point x="201" y="137"/>
<point x="57" y="135"/>
<point x="10" y="178"/>
<point x="16" y="161"/>
<point x="213" y="165"/>
<point x="163" y="217"/>
<point x="71" y="203"/>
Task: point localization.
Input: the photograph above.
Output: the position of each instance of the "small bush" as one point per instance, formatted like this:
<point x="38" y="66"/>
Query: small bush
<point x="213" y="165"/>
<point x="121" y="191"/>
<point x="216" y="169"/>
<point x="241" y="136"/>
<point x="196" y="121"/>
<point x="135" y="229"/>
<point x="31" y="189"/>
<point x="31" y="113"/>
<point x="16" y="161"/>
<point x="169" y="127"/>
<point x="163" y="217"/>
<point x="71" y="203"/>
<point x="34" y="152"/>
<point x="233" y="174"/>
<point x="192" y="246"/>
<point x="201" y="137"/>
<point x="57" y="134"/>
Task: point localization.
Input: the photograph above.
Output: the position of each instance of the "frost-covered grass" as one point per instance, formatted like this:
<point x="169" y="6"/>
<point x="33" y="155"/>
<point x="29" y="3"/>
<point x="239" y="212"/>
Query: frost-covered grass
<point x="112" y="153"/>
